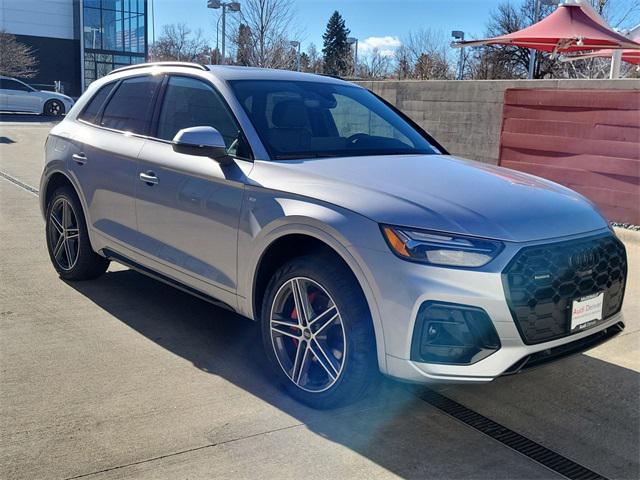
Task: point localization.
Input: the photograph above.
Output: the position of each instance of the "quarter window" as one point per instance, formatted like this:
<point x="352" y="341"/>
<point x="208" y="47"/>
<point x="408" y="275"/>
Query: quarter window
<point x="131" y="106"/>
<point x="192" y="103"/>
<point x="92" y="109"/>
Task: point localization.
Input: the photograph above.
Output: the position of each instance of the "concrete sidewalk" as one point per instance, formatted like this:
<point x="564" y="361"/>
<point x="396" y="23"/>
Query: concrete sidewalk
<point x="125" y="377"/>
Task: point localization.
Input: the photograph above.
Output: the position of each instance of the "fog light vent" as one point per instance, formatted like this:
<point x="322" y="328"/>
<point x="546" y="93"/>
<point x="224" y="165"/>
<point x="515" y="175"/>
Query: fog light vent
<point x="452" y="334"/>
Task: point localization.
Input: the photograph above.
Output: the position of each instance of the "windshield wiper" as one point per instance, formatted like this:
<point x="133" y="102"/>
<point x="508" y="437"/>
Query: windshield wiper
<point x="299" y="156"/>
<point x="294" y="156"/>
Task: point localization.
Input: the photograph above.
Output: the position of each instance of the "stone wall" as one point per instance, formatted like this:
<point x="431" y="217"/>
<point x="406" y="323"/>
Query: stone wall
<point x="466" y="116"/>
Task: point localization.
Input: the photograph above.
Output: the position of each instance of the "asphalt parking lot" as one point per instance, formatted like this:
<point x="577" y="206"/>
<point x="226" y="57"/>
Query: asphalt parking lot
<point x="124" y="377"/>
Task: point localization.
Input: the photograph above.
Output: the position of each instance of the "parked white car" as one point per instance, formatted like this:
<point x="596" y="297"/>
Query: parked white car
<point x="17" y="96"/>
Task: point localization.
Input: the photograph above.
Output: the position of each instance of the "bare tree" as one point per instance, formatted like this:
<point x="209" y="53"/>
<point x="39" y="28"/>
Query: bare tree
<point x="424" y="54"/>
<point x="178" y="42"/>
<point x="504" y="62"/>
<point x="404" y="66"/>
<point x="16" y="59"/>
<point x="375" y="65"/>
<point x="315" y="59"/>
<point x="619" y="13"/>
<point x="430" y="67"/>
<point x="270" y="28"/>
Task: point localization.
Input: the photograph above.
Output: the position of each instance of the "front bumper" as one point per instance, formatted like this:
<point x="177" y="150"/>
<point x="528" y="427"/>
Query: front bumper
<point x="402" y="287"/>
<point x="508" y="360"/>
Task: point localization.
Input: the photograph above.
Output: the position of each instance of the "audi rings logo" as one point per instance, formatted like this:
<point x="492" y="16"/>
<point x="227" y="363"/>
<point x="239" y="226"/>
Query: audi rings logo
<point x="583" y="259"/>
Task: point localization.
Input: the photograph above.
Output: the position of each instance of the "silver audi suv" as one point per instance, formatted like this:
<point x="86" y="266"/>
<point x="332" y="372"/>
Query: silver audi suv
<point x="316" y="208"/>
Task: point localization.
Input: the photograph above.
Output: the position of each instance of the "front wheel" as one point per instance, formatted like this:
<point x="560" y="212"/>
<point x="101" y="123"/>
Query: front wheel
<point x="53" y="108"/>
<point x="317" y="332"/>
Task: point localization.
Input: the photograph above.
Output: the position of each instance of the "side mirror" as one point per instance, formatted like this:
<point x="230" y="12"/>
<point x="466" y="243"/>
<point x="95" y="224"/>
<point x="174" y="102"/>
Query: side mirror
<point x="203" y="142"/>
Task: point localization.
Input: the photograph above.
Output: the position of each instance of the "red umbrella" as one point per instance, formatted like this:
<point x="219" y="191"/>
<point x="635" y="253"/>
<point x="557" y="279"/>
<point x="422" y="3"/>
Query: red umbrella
<point x="628" y="55"/>
<point x="570" y="28"/>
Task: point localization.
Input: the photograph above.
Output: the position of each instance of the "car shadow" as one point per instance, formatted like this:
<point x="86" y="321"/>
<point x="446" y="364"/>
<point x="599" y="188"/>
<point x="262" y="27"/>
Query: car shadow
<point x="391" y="428"/>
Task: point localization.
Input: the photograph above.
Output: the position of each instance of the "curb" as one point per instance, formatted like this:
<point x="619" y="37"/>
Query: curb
<point x="631" y="238"/>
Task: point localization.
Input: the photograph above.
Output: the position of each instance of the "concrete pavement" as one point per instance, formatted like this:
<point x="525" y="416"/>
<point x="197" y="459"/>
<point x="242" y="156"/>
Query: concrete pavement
<point x="124" y="377"/>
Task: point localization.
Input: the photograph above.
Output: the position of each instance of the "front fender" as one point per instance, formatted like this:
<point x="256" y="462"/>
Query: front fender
<point x="268" y="216"/>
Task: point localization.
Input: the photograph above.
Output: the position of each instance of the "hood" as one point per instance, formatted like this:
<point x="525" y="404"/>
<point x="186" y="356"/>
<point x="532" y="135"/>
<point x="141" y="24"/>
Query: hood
<point x="438" y="192"/>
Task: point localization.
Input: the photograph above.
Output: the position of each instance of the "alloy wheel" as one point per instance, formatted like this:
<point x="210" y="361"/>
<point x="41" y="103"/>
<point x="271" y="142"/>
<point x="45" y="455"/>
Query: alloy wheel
<point x="64" y="235"/>
<point x="307" y="334"/>
<point x="54" y="108"/>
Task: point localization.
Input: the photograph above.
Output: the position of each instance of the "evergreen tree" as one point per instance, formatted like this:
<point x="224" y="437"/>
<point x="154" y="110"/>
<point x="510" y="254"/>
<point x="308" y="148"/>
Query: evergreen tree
<point x="304" y="62"/>
<point x="244" y="54"/>
<point x="336" y="50"/>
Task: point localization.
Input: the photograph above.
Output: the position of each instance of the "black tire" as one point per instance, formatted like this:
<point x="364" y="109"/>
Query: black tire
<point x="85" y="263"/>
<point x="359" y="370"/>
<point x="53" y="108"/>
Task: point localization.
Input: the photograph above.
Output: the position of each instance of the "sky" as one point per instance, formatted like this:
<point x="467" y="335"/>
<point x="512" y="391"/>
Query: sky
<point x="376" y="23"/>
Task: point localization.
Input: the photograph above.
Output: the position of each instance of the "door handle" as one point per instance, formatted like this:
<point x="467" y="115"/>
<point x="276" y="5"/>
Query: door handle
<point x="79" y="158"/>
<point x="149" y="178"/>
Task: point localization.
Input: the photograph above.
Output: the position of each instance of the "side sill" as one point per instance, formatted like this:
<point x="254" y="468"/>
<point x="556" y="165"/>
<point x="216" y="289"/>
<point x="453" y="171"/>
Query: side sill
<point x="116" y="257"/>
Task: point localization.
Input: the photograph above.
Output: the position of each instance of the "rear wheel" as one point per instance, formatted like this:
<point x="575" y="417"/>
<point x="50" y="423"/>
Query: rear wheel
<point x="317" y="332"/>
<point x="68" y="240"/>
<point x="53" y="108"/>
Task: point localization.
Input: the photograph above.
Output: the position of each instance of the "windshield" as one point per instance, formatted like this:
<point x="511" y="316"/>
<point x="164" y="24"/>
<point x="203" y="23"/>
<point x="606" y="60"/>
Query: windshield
<point x="313" y="119"/>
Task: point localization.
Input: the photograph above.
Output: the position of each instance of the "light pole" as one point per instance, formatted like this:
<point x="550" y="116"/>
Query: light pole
<point x="153" y="23"/>
<point x="295" y="44"/>
<point x="354" y="41"/>
<point x="536" y="18"/>
<point x="232" y="7"/>
<point x="459" y="36"/>
<point x="217" y="42"/>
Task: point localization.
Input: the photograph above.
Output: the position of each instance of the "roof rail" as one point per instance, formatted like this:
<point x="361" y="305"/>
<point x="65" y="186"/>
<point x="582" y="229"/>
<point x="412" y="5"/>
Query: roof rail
<point x="159" y="64"/>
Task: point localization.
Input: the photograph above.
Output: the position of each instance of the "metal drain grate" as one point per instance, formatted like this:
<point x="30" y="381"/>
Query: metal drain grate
<point x="15" y="181"/>
<point x="536" y="452"/>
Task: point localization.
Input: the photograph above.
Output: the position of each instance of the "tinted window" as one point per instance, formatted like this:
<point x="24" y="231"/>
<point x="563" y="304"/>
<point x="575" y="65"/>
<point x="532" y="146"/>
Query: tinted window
<point x="313" y="119"/>
<point x="7" y="84"/>
<point x="93" y="107"/>
<point x="192" y="103"/>
<point x="131" y="106"/>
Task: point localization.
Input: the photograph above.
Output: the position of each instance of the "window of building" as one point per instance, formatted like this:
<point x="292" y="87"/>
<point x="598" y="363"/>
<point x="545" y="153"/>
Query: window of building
<point x="93" y="107"/>
<point x="115" y="31"/>
<point x="131" y="106"/>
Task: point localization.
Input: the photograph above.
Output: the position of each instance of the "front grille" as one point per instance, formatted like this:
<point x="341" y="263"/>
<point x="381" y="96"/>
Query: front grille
<point x="542" y="281"/>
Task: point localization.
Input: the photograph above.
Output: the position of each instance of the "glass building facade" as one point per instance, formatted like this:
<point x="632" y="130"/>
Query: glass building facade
<point x="114" y="35"/>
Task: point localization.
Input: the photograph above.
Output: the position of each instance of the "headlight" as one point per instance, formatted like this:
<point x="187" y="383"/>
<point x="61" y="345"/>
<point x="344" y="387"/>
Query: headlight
<point x="437" y="248"/>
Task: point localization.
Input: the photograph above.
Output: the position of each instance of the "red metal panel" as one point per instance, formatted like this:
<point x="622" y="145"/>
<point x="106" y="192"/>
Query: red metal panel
<point x="573" y="114"/>
<point x="587" y="140"/>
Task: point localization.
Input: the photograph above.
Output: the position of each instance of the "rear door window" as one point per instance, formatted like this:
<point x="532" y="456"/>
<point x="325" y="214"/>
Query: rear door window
<point x="131" y="107"/>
